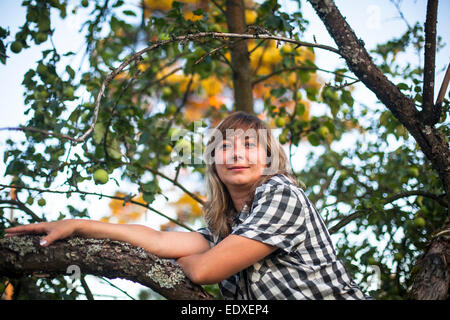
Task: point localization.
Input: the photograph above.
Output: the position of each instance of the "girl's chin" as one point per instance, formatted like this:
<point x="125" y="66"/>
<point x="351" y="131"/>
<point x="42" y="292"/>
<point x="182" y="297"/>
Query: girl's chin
<point x="240" y="178"/>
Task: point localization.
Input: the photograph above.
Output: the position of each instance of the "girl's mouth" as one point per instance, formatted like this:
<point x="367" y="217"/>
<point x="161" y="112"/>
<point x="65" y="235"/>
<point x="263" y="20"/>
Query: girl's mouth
<point x="238" y="168"/>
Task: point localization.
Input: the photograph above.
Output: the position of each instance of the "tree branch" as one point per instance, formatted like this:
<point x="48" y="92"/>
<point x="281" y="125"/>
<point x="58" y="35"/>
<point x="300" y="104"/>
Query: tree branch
<point x="347" y="219"/>
<point x="125" y="199"/>
<point x="22" y="255"/>
<point x="431" y="140"/>
<point x="432" y="278"/>
<point x="443" y="90"/>
<point x="137" y="55"/>
<point x="308" y="68"/>
<point x="22" y="207"/>
<point x="429" y="112"/>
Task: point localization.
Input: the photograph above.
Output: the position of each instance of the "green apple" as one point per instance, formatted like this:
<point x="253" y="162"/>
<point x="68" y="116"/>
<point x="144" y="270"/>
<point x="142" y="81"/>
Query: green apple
<point x="167" y="91"/>
<point x="68" y="91"/>
<point x="324" y="131"/>
<point x="41" y="37"/>
<point x="280" y="122"/>
<point x="413" y="172"/>
<point x="168" y="148"/>
<point x="398" y="256"/>
<point x="42" y="69"/>
<point x="419" y="222"/>
<point x="30" y="200"/>
<point x="16" y="46"/>
<point x="101" y="176"/>
<point x="171" y="109"/>
<point x="283" y="138"/>
<point x="42" y="202"/>
<point x="183" y="145"/>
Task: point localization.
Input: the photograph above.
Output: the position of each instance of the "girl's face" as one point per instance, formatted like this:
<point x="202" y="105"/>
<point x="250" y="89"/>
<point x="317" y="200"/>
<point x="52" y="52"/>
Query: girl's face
<point x="240" y="160"/>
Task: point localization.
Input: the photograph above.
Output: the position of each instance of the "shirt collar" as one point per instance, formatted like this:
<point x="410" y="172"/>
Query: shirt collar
<point x="240" y="217"/>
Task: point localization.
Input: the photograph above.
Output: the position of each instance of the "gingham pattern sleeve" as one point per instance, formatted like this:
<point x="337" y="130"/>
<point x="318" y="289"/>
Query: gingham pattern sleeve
<point x="207" y="234"/>
<point x="276" y="217"/>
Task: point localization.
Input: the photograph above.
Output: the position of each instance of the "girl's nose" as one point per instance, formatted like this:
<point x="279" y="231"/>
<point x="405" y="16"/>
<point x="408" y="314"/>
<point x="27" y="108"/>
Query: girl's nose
<point x="238" y="151"/>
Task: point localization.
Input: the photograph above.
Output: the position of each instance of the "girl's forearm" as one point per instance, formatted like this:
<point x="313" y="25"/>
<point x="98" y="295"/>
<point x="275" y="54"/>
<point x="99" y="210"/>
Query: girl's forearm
<point x="164" y="244"/>
<point x="137" y="235"/>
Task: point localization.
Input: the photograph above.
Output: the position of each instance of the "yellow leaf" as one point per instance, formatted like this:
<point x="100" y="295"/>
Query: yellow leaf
<point x="216" y="101"/>
<point x="143" y="66"/>
<point x="212" y="85"/>
<point x="190" y="15"/>
<point x="303" y="54"/>
<point x="187" y="207"/>
<point x="128" y="212"/>
<point x="162" y="5"/>
<point x="250" y="16"/>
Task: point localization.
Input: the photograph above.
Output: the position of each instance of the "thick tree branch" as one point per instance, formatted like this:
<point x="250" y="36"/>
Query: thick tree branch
<point x="430" y="114"/>
<point x="431" y="141"/>
<point x="111" y="259"/>
<point x="432" y="271"/>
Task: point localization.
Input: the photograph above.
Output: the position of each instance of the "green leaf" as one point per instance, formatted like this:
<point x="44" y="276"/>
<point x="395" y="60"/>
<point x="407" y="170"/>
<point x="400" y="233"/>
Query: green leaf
<point x="347" y="98"/>
<point x="99" y="132"/>
<point x="148" y="197"/>
<point x="314" y="139"/>
<point x="129" y="13"/>
<point x="70" y="71"/>
<point x="150" y="187"/>
<point x="402" y="86"/>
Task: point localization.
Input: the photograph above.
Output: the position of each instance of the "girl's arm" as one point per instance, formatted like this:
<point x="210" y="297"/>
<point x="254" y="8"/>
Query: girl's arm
<point x="230" y="256"/>
<point x="162" y="244"/>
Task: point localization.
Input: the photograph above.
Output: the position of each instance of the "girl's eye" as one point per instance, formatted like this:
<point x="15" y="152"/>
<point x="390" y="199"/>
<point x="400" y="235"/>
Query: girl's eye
<point x="250" y="144"/>
<point x="224" y="146"/>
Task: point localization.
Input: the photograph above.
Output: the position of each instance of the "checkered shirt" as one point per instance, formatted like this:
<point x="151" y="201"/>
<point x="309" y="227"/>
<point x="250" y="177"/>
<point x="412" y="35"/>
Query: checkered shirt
<point x="304" y="265"/>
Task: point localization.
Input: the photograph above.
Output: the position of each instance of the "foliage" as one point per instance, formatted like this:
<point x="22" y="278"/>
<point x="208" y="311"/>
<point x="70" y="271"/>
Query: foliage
<point x="175" y="85"/>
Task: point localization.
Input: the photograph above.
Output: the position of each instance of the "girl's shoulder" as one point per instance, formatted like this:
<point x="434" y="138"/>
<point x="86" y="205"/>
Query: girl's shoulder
<point x="277" y="181"/>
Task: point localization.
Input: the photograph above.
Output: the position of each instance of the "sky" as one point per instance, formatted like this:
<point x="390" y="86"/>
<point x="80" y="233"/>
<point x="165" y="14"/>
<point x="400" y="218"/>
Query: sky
<point x="374" y="21"/>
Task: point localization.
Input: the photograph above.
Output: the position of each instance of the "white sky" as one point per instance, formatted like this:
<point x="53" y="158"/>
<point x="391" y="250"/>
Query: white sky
<point x="374" y="21"/>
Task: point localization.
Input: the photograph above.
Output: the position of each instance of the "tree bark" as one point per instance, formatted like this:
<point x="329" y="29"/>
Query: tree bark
<point x="432" y="280"/>
<point x="240" y="60"/>
<point x="431" y="141"/>
<point x="22" y="255"/>
<point x="430" y="113"/>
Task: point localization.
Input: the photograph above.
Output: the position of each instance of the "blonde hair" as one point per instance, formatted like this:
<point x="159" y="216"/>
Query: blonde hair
<point x="219" y="208"/>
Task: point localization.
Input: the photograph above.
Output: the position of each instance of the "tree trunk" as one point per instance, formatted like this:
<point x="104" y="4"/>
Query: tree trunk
<point x="22" y="255"/>
<point x="240" y="60"/>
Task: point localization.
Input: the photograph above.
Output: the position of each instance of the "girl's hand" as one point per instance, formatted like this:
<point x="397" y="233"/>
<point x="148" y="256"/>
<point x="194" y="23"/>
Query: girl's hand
<point x="54" y="230"/>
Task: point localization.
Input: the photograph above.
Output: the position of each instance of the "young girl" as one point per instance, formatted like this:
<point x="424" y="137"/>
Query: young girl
<point x="264" y="239"/>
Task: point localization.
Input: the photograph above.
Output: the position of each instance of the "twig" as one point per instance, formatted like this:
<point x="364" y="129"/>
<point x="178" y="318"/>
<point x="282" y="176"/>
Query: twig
<point x="175" y="182"/>
<point x="100" y="195"/>
<point x="114" y="286"/>
<point x="21" y="206"/>
<point x="347" y="219"/>
<point x="137" y="55"/>
<point x="210" y="53"/>
<point x="263" y="78"/>
<point x="86" y="288"/>
<point x="444" y="86"/>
